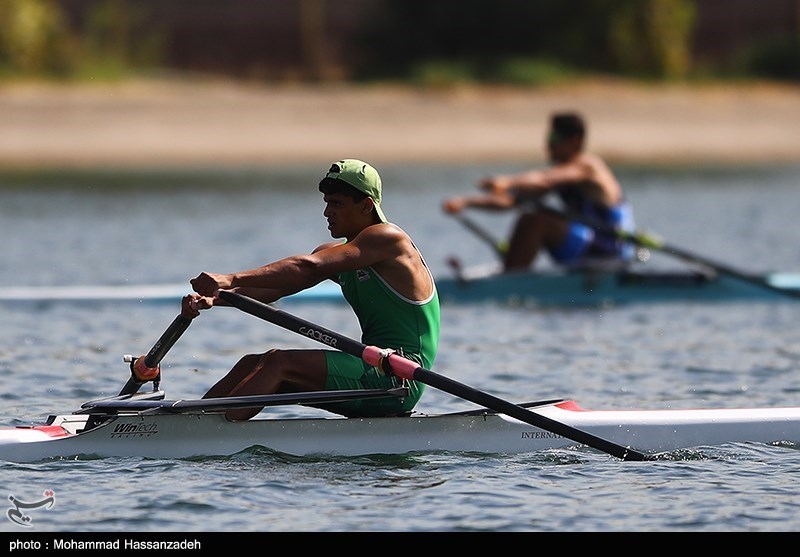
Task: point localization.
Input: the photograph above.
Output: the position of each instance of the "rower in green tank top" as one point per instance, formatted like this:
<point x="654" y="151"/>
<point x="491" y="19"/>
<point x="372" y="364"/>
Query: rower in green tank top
<point x="388" y="320"/>
<point x="383" y="277"/>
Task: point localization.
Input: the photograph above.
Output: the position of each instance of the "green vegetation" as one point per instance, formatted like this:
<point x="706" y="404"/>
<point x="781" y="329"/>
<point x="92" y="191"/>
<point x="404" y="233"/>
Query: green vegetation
<point x="439" y="43"/>
<point x="33" y="41"/>
<point x="528" y="42"/>
<point x="511" y="71"/>
<point x="652" y="38"/>
<point x="36" y="41"/>
<point x="775" y="58"/>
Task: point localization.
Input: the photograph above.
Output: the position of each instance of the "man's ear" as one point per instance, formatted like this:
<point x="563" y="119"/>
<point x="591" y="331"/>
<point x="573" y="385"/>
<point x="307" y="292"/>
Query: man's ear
<point x="369" y="206"/>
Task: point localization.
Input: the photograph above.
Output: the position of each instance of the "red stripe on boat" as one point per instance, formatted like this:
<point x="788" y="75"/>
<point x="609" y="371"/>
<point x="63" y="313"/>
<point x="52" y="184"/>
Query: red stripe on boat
<point x="52" y="430"/>
<point x="571" y="405"/>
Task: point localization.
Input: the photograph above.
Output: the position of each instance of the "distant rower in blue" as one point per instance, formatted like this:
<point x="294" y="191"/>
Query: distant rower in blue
<point x="579" y="230"/>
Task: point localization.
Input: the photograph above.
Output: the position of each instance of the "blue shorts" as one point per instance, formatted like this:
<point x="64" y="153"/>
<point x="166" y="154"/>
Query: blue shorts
<point x="583" y="241"/>
<point x="346" y="371"/>
<point x="577" y="243"/>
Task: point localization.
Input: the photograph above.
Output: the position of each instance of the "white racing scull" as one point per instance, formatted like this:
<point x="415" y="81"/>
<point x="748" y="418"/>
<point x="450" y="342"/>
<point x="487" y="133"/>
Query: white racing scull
<point x="145" y="425"/>
<point x="148" y="425"/>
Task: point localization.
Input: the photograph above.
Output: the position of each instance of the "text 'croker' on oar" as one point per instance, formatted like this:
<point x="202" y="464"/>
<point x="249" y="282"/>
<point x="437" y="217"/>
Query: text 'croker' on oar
<point x="153" y="358"/>
<point x="407" y="369"/>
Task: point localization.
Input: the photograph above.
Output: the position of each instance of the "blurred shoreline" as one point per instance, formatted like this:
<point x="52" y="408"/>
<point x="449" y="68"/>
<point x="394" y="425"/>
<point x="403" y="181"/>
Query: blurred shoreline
<point x="169" y="123"/>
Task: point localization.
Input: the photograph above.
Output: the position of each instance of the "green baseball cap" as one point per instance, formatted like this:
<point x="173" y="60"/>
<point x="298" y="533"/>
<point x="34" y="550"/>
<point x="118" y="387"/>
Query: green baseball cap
<point x="361" y="176"/>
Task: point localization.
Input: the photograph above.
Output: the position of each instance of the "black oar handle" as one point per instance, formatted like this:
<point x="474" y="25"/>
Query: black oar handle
<point x="408" y="369"/>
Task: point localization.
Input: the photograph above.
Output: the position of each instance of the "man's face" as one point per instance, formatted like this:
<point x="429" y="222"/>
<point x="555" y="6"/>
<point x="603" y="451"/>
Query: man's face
<point x="561" y="148"/>
<point x="346" y="217"/>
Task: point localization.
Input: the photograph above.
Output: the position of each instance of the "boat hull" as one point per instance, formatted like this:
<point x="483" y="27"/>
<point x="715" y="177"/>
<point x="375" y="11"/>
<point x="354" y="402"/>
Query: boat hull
<point x="552" y="288"/>
<point x="604" y="288"/>
<point x="187" y="435"/>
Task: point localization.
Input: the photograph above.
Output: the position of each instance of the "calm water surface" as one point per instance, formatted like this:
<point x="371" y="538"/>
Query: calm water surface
<point x="163" y="227"/>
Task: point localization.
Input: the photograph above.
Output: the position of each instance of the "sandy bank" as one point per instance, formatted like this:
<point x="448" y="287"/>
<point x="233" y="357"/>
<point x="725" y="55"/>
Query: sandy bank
<point x="183" y="123"/>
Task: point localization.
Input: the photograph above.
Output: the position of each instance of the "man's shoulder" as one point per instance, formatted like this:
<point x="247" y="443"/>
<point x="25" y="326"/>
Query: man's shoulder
<point x="383" y="230"/>
<point x="590" y="159"/>
<point x="593" y="169"/>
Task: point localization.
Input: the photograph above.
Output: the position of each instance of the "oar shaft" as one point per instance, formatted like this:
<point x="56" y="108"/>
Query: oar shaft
<point x="408" y="369"/>
<point x="730" y="271"/>
<point x="523" y="414"/>
<point x="167" y="341"/>
<point x="499" y="247"/>
<point x="158" y="351"/>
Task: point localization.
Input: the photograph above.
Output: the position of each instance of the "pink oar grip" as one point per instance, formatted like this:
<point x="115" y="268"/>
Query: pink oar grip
<point x="398" y="365"/>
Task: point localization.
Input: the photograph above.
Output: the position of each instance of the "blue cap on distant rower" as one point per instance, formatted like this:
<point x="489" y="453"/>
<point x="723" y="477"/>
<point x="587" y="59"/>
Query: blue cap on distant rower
<point x="361" y="176"/>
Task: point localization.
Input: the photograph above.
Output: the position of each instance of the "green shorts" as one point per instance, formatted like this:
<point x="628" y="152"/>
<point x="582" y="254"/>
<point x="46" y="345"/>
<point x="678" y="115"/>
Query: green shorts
<point x="350" y="372"/>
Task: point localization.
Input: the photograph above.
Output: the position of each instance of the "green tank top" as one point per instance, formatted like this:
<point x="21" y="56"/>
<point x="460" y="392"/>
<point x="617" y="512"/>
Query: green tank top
<point x="390" y="320"/>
